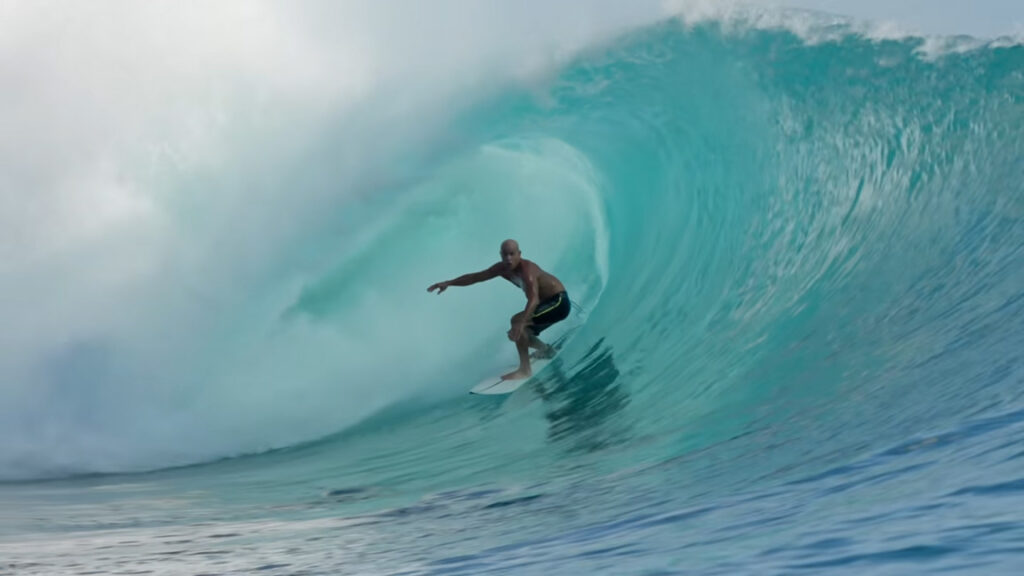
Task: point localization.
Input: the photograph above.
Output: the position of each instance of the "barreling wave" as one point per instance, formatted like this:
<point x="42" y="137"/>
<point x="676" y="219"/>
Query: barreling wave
<point x="821" y="235"/>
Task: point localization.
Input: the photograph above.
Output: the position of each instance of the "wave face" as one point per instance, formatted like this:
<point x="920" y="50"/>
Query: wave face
<point x="826" y="235"/>
<point x="800" y="270"/>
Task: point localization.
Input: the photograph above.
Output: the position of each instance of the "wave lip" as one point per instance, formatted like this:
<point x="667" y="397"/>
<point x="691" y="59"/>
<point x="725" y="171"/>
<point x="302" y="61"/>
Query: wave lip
<point x="815" y="26"/>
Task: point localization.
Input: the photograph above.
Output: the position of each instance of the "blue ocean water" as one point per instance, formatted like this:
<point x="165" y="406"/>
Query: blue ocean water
<point x="799" y="271"/>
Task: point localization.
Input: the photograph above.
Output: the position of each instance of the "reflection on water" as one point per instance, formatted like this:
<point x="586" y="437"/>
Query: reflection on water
<point x="581" y="403"/>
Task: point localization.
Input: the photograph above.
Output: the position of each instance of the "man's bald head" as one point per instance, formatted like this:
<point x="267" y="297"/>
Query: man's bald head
<point x="510" y="253"/>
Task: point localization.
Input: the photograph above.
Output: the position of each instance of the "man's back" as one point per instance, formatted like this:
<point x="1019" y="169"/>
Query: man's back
<point x="547" y="284"/>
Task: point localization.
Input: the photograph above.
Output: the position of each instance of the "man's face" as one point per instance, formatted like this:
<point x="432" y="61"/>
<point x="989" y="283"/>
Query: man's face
<point x="510" y="256"/>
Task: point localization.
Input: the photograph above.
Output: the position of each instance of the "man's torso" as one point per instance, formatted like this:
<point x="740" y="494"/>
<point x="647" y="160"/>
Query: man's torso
<point x="547" y="285"/>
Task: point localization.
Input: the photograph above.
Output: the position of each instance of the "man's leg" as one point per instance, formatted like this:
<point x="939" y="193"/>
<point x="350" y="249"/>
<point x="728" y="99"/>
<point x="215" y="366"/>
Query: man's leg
<point x="545" y="350"/>
<point x="523" y="347"/>
<point x="524" y="371"/>
<point x="550" y="315"/>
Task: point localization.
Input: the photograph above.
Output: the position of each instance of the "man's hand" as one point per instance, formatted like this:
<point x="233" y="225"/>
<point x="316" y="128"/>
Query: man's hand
<point x="440" y="287"/>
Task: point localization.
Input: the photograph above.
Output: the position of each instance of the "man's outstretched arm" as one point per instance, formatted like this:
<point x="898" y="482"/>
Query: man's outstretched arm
<point x="467" y="279"/>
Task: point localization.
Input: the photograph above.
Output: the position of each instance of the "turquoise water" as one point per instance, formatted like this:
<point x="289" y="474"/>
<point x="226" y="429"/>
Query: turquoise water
<point x="799" y="271"/>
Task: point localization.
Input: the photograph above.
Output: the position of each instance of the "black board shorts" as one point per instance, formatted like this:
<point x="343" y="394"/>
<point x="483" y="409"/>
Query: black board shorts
<point x="549" y="312"/>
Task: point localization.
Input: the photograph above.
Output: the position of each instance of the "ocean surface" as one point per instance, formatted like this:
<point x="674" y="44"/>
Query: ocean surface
<point x="797" y="259"/>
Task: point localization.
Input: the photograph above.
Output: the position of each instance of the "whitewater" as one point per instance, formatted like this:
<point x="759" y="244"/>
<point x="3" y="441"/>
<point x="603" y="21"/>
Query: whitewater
<point x="794" y="242"/>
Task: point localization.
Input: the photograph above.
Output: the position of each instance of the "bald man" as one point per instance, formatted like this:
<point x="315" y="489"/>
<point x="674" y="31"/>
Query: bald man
<point x="547" y="302"/>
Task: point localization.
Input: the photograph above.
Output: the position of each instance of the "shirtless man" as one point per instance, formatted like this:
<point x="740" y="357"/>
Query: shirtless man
<point x="546" y="302"/>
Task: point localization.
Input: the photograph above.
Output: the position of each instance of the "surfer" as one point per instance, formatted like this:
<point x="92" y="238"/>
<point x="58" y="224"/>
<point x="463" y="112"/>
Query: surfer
<point x="547" y="302"/>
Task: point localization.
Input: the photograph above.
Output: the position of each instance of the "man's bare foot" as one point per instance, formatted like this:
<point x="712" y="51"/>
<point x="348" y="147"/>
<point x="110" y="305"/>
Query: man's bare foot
<point x="518" y="374"/>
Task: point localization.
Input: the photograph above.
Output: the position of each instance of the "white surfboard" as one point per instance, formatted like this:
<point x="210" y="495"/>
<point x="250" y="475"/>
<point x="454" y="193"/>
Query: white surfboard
<point x="495" y="384"/>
